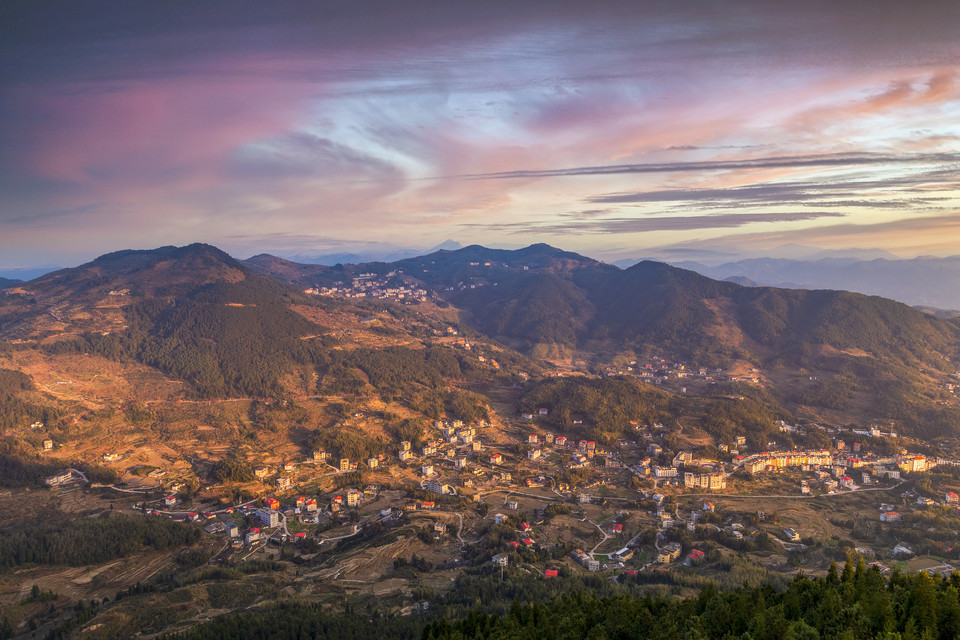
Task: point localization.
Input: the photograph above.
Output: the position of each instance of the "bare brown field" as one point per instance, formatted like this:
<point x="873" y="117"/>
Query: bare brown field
<point x="92" y="380"/>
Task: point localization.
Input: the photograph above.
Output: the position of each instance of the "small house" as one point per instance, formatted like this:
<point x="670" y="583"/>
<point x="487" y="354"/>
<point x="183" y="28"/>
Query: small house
<point x="694" y="557"/>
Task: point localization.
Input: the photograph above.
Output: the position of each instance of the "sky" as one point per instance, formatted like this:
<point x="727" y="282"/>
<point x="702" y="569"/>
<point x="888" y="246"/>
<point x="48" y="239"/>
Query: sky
<point x="616" y="129"/>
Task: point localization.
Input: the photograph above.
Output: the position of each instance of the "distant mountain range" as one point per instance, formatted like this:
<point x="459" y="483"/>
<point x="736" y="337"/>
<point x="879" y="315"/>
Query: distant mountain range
<point x="384" y="253"/>
<point x="712" y="257"/>
<point x="926" y="281"/>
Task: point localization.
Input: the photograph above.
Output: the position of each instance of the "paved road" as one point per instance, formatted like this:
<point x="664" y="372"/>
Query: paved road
<point x="116" y="488"/>
<point x="356" y="529"/>
<point x="460" y="529"/>
<point x="791" y="496"/>
<point x="605" y="537"/>
<point x="519" y="493"/>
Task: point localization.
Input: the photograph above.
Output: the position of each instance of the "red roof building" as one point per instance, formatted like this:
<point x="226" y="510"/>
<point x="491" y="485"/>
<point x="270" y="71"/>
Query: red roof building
<point x="551" y="573"/>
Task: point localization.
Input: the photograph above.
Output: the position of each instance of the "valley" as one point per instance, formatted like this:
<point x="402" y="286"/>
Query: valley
<point x="329" y="437"/>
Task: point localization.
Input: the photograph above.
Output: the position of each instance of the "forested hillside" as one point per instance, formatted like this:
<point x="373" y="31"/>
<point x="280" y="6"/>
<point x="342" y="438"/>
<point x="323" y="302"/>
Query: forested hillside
<point x="15" y="409"/>
<point x="855" y="604"/>
<point x="223" y="338"/>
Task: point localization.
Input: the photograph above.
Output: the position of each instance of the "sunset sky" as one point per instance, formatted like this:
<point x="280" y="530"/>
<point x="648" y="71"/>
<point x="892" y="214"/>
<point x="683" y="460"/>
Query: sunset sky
<point x="615" y="129"/>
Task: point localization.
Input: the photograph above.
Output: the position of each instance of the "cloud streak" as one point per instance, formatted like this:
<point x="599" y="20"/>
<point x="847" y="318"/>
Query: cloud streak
<point x="778" y="162"/>
<point x="659" y="223"/>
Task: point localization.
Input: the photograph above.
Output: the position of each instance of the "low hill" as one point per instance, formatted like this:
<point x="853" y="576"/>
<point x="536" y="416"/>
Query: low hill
<point x="287" y="271"/>
<point x="193" y="312"/>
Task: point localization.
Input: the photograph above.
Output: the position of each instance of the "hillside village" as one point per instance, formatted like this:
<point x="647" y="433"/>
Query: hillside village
<point x="655" y="494"/>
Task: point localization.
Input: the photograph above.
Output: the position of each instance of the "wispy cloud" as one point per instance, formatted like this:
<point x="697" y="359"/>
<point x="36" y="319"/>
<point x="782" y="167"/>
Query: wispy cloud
<point x="894" y="192"/>
<point x="621" y="225"/>
<point x="778" y="162"/>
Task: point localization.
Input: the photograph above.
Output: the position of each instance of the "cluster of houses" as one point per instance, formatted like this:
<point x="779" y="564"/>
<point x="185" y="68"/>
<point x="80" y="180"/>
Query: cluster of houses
<point x="269" y="516"/>
<point x="466" y="345"/>
<point x="889" y="514"/>
<point x="584" y="451"/>
<point x="454" y="443"/>
<point x="659" y="370"/>
<point x="836" y="470"/>
<point x="684" y="470"/>
<point x="388" y="286"/>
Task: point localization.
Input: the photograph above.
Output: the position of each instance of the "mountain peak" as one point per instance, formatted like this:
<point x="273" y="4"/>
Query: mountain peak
<point x="446" y="245"/>
<point x="147" y="270"/>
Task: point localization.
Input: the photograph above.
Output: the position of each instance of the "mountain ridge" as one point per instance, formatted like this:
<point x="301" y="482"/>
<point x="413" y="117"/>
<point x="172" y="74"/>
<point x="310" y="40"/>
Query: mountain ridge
<point x="539" y="300"/>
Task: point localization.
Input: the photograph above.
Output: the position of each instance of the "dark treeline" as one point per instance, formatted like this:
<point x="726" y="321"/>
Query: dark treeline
<point x="231" y="469"/>
<point x="417" y="377"/>
<point x="22" y="468"/>
<point x="859" y="604"/>
<point x="15" y="412"/>
<point x="297" y="621"/>
<point x="726" y="418"/>
<point x="605" y="406"/>
<point x="392" y="370"/>
<point x="91" y="541"/>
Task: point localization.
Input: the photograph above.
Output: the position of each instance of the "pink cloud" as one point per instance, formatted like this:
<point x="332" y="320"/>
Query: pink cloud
<point x="135" y="139"/>
<point x="900" y="94"/>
